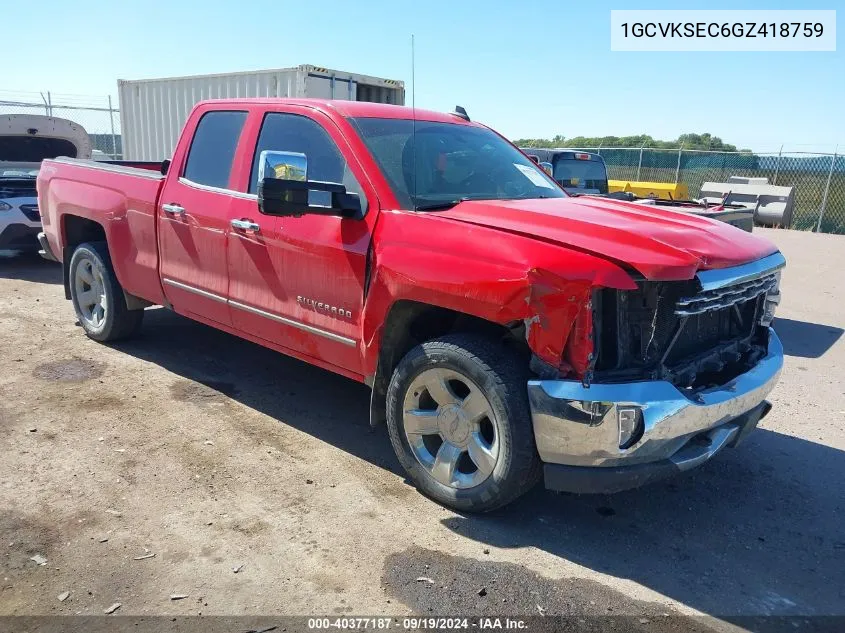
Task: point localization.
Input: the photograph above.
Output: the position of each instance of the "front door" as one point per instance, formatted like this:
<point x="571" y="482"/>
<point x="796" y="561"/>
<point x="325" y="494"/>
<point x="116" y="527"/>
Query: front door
<point x="299" y="282"/>
<point x="194" y="215"/>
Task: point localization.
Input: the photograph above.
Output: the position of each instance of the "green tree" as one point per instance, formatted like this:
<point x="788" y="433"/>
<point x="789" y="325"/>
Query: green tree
<point x="688" y="141"/>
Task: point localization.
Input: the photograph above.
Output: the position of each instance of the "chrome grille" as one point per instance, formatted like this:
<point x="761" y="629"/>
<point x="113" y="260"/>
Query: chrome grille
<point x="720" y="298"/>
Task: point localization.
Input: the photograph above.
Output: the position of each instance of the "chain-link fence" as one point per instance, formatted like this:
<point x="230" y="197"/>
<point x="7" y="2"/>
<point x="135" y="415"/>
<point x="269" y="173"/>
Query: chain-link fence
<point x="819" y="179"/>
<point x="98" y="115"/>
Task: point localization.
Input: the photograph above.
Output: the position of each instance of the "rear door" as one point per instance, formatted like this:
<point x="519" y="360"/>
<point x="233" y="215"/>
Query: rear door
<point x="299" y="282"/>
<point x="194" y="213"/>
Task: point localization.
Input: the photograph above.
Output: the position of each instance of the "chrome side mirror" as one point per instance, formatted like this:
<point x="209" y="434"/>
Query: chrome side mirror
<point x="283" y="166"/>
<point x="546" y="167"/>
<point x="284" y="188"/>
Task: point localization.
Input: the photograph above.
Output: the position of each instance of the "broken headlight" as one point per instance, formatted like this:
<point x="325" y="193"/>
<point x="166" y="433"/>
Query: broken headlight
<point x="771" y="303"/>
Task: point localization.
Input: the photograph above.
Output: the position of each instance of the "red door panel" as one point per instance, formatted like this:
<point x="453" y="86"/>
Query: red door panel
<point x="299" y="282"/>
<point x="254" y="280"/>
<point x="192" y="244"/>
<point x="194" y="215"/>
<point x="297" y="286"/>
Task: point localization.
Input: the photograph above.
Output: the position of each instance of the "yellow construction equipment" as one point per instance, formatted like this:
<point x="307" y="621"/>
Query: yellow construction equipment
<point x="659" y="190"/>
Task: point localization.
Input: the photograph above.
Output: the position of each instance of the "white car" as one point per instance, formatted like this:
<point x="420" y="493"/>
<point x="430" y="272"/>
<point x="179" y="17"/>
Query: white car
<point x="26" y="140"/>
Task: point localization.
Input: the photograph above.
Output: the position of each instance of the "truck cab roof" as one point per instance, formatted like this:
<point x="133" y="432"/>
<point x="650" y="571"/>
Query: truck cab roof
<point x="346" y="109"/>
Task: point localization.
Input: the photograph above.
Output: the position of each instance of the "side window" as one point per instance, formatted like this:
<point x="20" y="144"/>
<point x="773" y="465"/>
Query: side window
<point x="213" y="148"/>
<point x="293" y="133"/>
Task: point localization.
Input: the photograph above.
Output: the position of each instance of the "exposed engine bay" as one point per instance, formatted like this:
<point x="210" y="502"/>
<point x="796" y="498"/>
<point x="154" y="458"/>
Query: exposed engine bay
<point x="676" y="331"/>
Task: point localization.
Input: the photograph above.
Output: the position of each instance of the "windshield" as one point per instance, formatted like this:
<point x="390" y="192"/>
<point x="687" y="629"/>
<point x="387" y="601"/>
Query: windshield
<point x="581" y="174"/>
<point x="444" y="163"/>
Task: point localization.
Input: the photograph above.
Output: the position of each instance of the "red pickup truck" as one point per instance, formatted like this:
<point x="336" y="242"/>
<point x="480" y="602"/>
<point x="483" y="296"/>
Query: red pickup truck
<point x="508" y="331"/>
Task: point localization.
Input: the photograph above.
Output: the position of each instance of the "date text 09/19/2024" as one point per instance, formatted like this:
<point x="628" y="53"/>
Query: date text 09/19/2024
<point x="417" y="623"/>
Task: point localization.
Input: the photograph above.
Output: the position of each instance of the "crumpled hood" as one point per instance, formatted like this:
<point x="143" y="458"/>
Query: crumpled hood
<point x="661" y="244"/>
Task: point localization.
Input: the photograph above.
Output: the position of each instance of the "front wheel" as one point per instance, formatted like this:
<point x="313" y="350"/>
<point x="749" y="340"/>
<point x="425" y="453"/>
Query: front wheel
<point x="97" y="296"/>
<point x="459" y="421"/>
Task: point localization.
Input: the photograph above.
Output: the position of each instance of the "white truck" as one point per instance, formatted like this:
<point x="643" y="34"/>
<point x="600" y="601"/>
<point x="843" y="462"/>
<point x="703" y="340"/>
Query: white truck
<point x="26" y="140"/>
<point x="153" y="111"/>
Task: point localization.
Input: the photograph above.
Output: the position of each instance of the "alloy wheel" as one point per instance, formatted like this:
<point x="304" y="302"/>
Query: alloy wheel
<point x="451" y="428"/>
<point x="90" y="293"/>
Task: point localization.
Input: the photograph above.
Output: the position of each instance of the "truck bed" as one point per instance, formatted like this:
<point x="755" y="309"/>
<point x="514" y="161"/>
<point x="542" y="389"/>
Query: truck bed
<point x="78" y="196"/>
<point x="146" y="169"/>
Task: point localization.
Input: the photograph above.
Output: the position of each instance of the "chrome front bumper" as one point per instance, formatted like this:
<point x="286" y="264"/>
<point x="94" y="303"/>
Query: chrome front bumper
<point x="578" y="426"/>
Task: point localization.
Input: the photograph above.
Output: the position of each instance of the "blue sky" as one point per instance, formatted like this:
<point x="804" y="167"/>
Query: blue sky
<point x="532" y="69"/>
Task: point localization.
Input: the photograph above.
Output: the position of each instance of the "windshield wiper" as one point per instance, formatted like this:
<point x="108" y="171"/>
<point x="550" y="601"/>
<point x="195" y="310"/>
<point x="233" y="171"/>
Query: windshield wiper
<point x="448" y="204"/>
<point x="436" y="206"/>
<point x="443" y="204"/>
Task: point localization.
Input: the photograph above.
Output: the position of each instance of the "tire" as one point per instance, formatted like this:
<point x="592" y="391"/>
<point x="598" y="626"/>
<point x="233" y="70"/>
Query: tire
<point x="460" y="367"/>
<point x="108" y="319"/>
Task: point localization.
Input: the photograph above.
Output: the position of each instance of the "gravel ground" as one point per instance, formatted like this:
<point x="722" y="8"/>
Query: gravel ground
<point x="190" y="462"/>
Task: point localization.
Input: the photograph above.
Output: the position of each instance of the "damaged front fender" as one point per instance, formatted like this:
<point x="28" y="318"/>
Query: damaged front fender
<point x="493" y="275"/>
<point x="559" y="308"/>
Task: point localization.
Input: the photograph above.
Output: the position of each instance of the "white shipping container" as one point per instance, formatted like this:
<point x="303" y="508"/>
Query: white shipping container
<point x="153" y="111"/>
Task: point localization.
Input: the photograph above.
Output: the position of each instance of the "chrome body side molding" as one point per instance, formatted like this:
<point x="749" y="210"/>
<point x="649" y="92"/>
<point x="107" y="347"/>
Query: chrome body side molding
<point x="338" y="338"/>
<point x="293" y="323"/>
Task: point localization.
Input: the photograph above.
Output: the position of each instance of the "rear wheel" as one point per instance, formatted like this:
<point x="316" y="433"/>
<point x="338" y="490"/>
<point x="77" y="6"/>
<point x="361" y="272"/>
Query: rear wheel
<point x="97" y="296"/>
<point x="459" y="421"/>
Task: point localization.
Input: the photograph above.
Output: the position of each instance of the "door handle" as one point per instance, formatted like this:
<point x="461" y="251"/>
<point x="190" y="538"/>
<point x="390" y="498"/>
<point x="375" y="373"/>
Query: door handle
<point x="173" y="209"/>
<point x="245" y="225"/>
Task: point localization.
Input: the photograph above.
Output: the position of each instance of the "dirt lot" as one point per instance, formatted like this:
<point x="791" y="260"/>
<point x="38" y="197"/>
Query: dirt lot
<point x="215" y="454"/>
